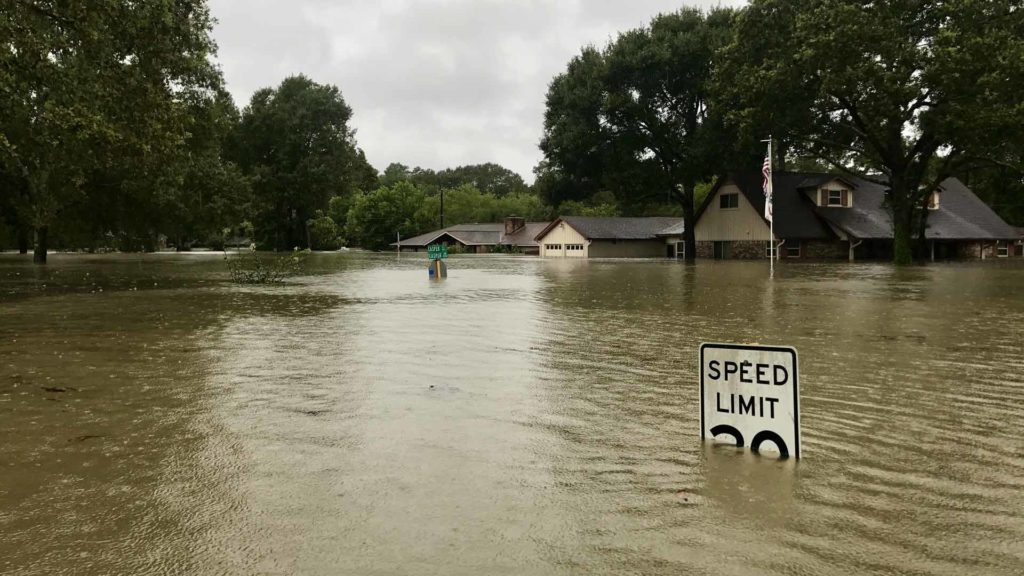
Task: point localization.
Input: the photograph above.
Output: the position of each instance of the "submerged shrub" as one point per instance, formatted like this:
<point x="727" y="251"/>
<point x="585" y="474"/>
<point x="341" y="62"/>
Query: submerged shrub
<point x="252" y="268"/>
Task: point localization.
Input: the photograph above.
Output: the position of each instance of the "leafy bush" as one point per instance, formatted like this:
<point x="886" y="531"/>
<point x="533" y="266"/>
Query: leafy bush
<point x="506" y="249"/>
<point x="252" y="268"/>
<point x="323" y="232"/>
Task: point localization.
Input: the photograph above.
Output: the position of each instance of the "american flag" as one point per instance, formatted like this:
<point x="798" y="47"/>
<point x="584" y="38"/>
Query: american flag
<point x="766" y="171"/>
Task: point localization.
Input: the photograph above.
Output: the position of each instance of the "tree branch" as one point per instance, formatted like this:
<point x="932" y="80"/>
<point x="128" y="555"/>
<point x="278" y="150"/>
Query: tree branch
<point x="863" y="129"/>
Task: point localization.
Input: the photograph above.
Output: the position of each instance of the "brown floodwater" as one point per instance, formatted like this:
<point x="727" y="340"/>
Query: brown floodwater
<point x="521" y="417"/>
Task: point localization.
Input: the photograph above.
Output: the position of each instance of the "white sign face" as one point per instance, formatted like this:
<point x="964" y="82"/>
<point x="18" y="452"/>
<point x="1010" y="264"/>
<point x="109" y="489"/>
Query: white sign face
<point x="752" y="394"/>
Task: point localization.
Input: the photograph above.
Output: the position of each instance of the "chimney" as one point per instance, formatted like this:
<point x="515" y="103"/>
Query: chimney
<point x="513" y="224"/>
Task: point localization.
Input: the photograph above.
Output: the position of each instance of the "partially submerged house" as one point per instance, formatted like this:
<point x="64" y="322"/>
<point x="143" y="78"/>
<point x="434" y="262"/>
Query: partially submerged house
<point x="588" y="237"/>
<point x="829" y="216"/>
<point x="514" y="232"/>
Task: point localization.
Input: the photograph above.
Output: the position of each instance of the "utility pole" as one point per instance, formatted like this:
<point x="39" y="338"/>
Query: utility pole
<point x="442" y="208"/>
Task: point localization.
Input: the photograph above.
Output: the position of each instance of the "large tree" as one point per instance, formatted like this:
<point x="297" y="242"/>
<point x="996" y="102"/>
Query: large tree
<point x="296" y="144"/>
<point x="635" y="118"/>
<point x="212" y="194"/>
<point x="913" y="91"/>
<point x="88" y="86"/>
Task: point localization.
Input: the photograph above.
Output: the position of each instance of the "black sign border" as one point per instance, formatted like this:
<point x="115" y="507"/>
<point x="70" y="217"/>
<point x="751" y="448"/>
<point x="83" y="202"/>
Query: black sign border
<point x="796" y="382"/>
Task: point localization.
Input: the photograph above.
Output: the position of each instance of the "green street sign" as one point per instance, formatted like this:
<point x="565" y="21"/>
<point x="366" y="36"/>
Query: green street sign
<point x="437" y="252"/>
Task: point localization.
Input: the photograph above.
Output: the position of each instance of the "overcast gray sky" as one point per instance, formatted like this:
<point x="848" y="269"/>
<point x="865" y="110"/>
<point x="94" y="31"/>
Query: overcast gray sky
<point x="432" y="83"/>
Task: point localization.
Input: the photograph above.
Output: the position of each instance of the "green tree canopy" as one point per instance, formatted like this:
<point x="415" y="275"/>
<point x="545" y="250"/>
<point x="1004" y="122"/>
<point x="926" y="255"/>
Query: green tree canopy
<point x="915" y="91"/>
<point x="376" y="217"/>
<point x="87" y="87"/>
<point x="295" y="142"/>
<point x="635" y="118"/>
<point x="488" y="178"/>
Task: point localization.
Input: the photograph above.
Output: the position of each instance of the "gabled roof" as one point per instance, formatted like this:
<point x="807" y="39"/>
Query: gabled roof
<point x="676" y="229"/>
<point x="615" y="228"/>
<point x="794" y="211"/>
<point x="470" y="234"/>
<point x="815" y="181"/>
<point x="486" y="234"/>
<point x="961" y="214"/>
<point x="525" y="236"/>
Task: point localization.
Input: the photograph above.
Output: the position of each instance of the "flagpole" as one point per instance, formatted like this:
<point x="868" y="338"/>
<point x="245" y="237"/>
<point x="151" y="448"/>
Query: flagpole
<point x="771" y="176"/>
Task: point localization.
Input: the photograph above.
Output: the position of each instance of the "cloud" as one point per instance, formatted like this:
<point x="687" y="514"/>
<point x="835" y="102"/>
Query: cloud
<point x="432" y="83"/>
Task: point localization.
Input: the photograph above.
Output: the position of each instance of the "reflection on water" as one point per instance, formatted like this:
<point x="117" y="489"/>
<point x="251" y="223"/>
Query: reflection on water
<point x="521" y="417"/>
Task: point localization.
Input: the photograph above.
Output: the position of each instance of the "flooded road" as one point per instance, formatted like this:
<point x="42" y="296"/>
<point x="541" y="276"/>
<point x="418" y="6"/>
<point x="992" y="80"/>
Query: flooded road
<point x="521" y="417"/>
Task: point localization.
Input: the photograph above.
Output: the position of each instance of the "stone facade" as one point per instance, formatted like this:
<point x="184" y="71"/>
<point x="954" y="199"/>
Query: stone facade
<point x="977" y="250"/>
<point x="868" y="250"/>
<point x="758" y="250"/>
<point x="824" y="250"/>
<point x="749" y="250"/>
<point x="737" y="250"/>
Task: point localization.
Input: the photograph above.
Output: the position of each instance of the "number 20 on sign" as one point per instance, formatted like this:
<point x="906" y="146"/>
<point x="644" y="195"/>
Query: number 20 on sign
<point x="751" y="393"/>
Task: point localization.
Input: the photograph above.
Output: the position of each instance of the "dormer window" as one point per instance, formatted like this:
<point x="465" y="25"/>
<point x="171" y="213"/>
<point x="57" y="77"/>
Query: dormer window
<point x="933" y="201"/>
<point x="839" y="198"/>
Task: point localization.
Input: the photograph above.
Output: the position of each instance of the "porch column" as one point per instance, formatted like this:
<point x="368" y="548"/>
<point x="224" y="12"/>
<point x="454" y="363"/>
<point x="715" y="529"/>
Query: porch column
<point x="853" y="246"/>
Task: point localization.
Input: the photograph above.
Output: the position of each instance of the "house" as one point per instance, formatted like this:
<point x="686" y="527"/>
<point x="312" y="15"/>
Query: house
<point x="830" y="216"/>
<point x="514" y="232"/>
<point x="586" y="237"/>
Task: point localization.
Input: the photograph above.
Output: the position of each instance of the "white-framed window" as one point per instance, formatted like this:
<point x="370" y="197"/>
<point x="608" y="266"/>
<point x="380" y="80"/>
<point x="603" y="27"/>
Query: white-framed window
<point x="835" y="198"/>
<point x="1003" y="249"/>
<point x="553" y="247"/>
<point x="680" y="249"/>
<point x="793" y="250"/>
<point x="729" y="201"/>
<point x="769" y="249"/>
<point x="574" y="247"/>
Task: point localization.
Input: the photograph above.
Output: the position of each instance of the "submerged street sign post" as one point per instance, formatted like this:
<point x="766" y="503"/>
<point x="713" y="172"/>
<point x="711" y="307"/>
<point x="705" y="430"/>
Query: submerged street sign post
<point x="437" y="252"/>
<point x="752" y="394"/>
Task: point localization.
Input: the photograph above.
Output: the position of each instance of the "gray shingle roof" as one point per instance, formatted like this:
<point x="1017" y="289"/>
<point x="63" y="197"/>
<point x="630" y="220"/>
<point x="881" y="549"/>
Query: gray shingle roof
<point x="594" y="228"/>
<point x="526" y="236"/>
<point x="794" y="211"/>
<point x="961" y="214"/>
<point x="676" y="229"/>
<point x="486" y="234"/>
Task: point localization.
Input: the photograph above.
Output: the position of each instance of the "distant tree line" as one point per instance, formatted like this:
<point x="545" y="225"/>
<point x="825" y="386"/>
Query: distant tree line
<point x="116" y="131"/>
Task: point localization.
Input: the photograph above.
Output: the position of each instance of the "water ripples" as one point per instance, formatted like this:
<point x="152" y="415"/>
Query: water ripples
<point x="523" y="416"/>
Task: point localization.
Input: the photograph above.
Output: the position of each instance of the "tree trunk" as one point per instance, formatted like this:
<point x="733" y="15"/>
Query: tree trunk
<point x="689" y="223"/>
<point x="781" y="151"/>
<point x="39" y="256"/>
<point x="902" y="223"/>
<point x="689" y="234"/>
<point x="22" y="240"/>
